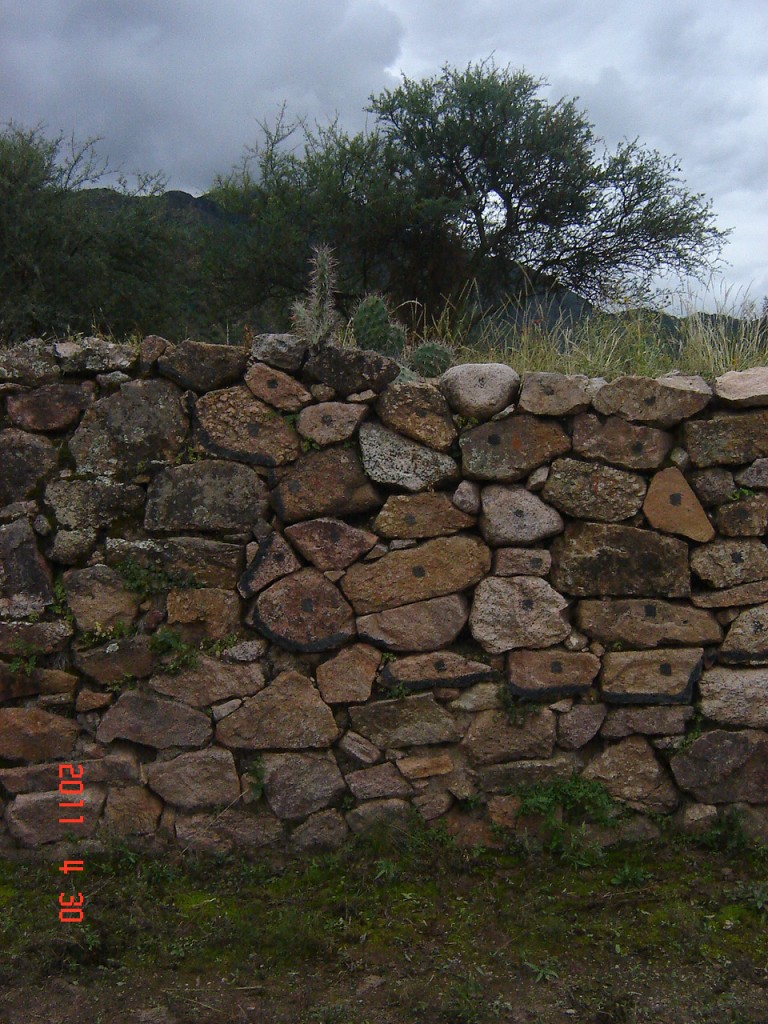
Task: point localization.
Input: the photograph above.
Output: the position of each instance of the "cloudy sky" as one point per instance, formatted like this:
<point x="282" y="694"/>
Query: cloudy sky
<point x="179" y="86"/>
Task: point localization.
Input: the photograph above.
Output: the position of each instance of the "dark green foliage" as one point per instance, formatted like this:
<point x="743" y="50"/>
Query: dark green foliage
<point x="314" y="318"/>
<point x="431" y="359"/>
<point x="147" y="580"/>
<point x="175" y="652"/>
<point x="374" y="330"/>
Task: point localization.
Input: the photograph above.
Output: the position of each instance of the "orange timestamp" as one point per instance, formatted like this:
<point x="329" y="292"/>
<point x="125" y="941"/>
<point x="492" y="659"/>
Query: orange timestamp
<point x="71" y="786"/>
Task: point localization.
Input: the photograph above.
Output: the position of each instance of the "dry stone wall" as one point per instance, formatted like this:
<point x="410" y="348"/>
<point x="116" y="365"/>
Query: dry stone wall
<point x="267" y="598"/>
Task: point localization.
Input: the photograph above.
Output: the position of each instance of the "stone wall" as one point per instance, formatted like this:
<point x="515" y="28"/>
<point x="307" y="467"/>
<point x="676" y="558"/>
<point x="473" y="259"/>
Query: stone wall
<point x="268" y="598"/>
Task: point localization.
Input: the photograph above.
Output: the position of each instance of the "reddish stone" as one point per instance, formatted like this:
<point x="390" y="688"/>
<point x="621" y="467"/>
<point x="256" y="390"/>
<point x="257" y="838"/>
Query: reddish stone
<point x="276" y="388"/>
<point x="303" y="612"/>
<point x="52" y="407"/>
<point x="671" y="506"/>
<point x="330" y="543"/>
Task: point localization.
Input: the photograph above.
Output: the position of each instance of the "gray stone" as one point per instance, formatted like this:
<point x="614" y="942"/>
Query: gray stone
<point x="25" y="579"/>
<point x="747" y="640"/>
<point x="31" y="363"/>
<point x="273" y="560"/>
<point x="71" y="546"/>
<point x="111" y="662"/>
<point x="29" y="734"/>
<point x="83" y="505"/>
<point x="555" y="394"/>
<point x="649" y="623"/>
<point x="743" y="387"/>
<point x="653" y="721"/>
<point x="661" y="676"/>
<point x="713" y="486"/>
<point x="587" y="490"/>
<point x="143" y="424"/>
<point x="522" y="611"/>
<point x="34" y="818"/>
<point x="296" y="785"/>
<point x="325" y="830"/>
<point x="330" y="543"/>
<point x="202" y="778"/>
<point x="512" y="515"/>
<point x="94" y="355"/>
<point x="358" y="748"/>
<point x="383" y="780"/>
<point x="466" y="497"/>
<point x="201" y="367"/>
<point x="375" y="813"/>
<point x="26" y="460"/>
<point x="578" y="726"/>
<point x="391" y="459"/>
<point x="595" y="560"/>
<point x="736" y="697"/>
<point x="408" y="722"/>
<point x="746" y="517"/>
<point x="479" y="390"/>
<point x="98" y="598"/>
<point x="508" y="450"/>
<point x="506" y="776"/>
<point x="154" y="723"/>
<point x="207" y="495"/>
<point x="424" y="626"/>
<point x="284" y="351"/>
<point x="209" y="563"/>
<point x="44" y="637"/>
<point x="348" y="678"/>
<point x="755" y="475"/>
<point x="730" y="563"/>
<point x="289" y="715"/>
<point x="733" y="597"/>
<point x="229" y="831"/>
<point x="662" y="402"/>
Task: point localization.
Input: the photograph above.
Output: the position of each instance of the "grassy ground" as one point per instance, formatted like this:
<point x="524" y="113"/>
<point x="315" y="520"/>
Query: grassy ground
<point x="399" y="927"/>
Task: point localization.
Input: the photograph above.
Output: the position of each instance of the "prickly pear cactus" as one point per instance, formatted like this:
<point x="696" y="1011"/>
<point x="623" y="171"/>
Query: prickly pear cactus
<point x="431" y="359"/>
<point x="373" y="329"/>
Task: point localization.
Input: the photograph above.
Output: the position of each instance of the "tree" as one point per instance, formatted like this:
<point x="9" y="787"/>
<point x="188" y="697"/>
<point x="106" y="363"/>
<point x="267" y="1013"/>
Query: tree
<point x="529" y="199"/>
<point x="76" y="257"/>
<point x="468" y="177"/>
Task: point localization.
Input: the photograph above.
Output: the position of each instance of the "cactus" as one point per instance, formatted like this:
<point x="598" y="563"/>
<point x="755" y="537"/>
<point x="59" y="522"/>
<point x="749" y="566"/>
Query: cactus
<point x="374" y="330"/>
<point x="315" y="319"/>
<point x="431" y="359"/>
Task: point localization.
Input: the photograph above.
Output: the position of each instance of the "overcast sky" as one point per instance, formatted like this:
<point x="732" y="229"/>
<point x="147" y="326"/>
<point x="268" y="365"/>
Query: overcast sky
<point x="178" y="86"/>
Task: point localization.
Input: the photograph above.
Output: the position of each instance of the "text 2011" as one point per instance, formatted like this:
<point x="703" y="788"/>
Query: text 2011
<point x="70" y="788"/>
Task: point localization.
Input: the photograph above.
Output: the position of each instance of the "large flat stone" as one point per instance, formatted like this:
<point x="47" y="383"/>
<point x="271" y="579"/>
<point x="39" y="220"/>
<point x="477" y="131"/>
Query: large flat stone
<point x="303" y="612"/>
<point x="197" y="366"/>
<point x="727" y="438"/>
<point x="416" y="516"/>
<point x="424" y="626"/>
<point x="725" y="767"/>
<point x="29" y="734"/>
<point x="419" y="411"/>
<point x="662" y="402"/>
<point x="519" y="612"/>
<point x="201" y="778"/>
<point x="672" y="507"/>
<point x="208" y="562"/>
<point x="541" y="675"/>
<point x="588" y="490"/>
<point x="26" y="460"/>
<point x="350" y="370"/>
<point x="736" y="697"/>
<point x="331" y="482"/>
<point x="443" y="668"/>
<point x="52" y="407"/>
<point x="555" y="394"/>
<point x="25" y="579"/>
<point x="122" y="434"/>
<point x="743" y="387"/>
<point x="296" y="785"/>
<point x="98" y="597"/>
<point x="206" y="495"/>
<point x="210" y="682"/>
<point x="492" y="738"/>
<point x="90" y="504"/>
<point x="649" y="623"/>
<point x="233" y="424"/>
<point x="432" y="569"/>
<point x="30" y="362"/>
<point x="391" y="459"/>
<point x="730" y="563"/>
<point x="288" y="715"/>
<point x="330" y="543"/>
<point x="348" y="678"/>
<point x="276" y="388"/>
<point x="647" y="721"/>
<point x="273" y="559"/>
<point x="33" y="818"/>
<point x="620" y="443"/>
<point x="43" y="637"/>
<point x="154" y="723"/>
<point x="595" y="560"/>
<point x="479" y="390"/>
<point x="509" y="449"/>
<point x="747" y="640"/>
<point x="631" y="773"/>
<point x="408" y="722"/>
<point x="329" y="422"/>
<point x="661" y="676"/>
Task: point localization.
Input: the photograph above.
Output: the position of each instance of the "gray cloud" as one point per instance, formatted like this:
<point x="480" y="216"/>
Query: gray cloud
<point x="179" y="86"/>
